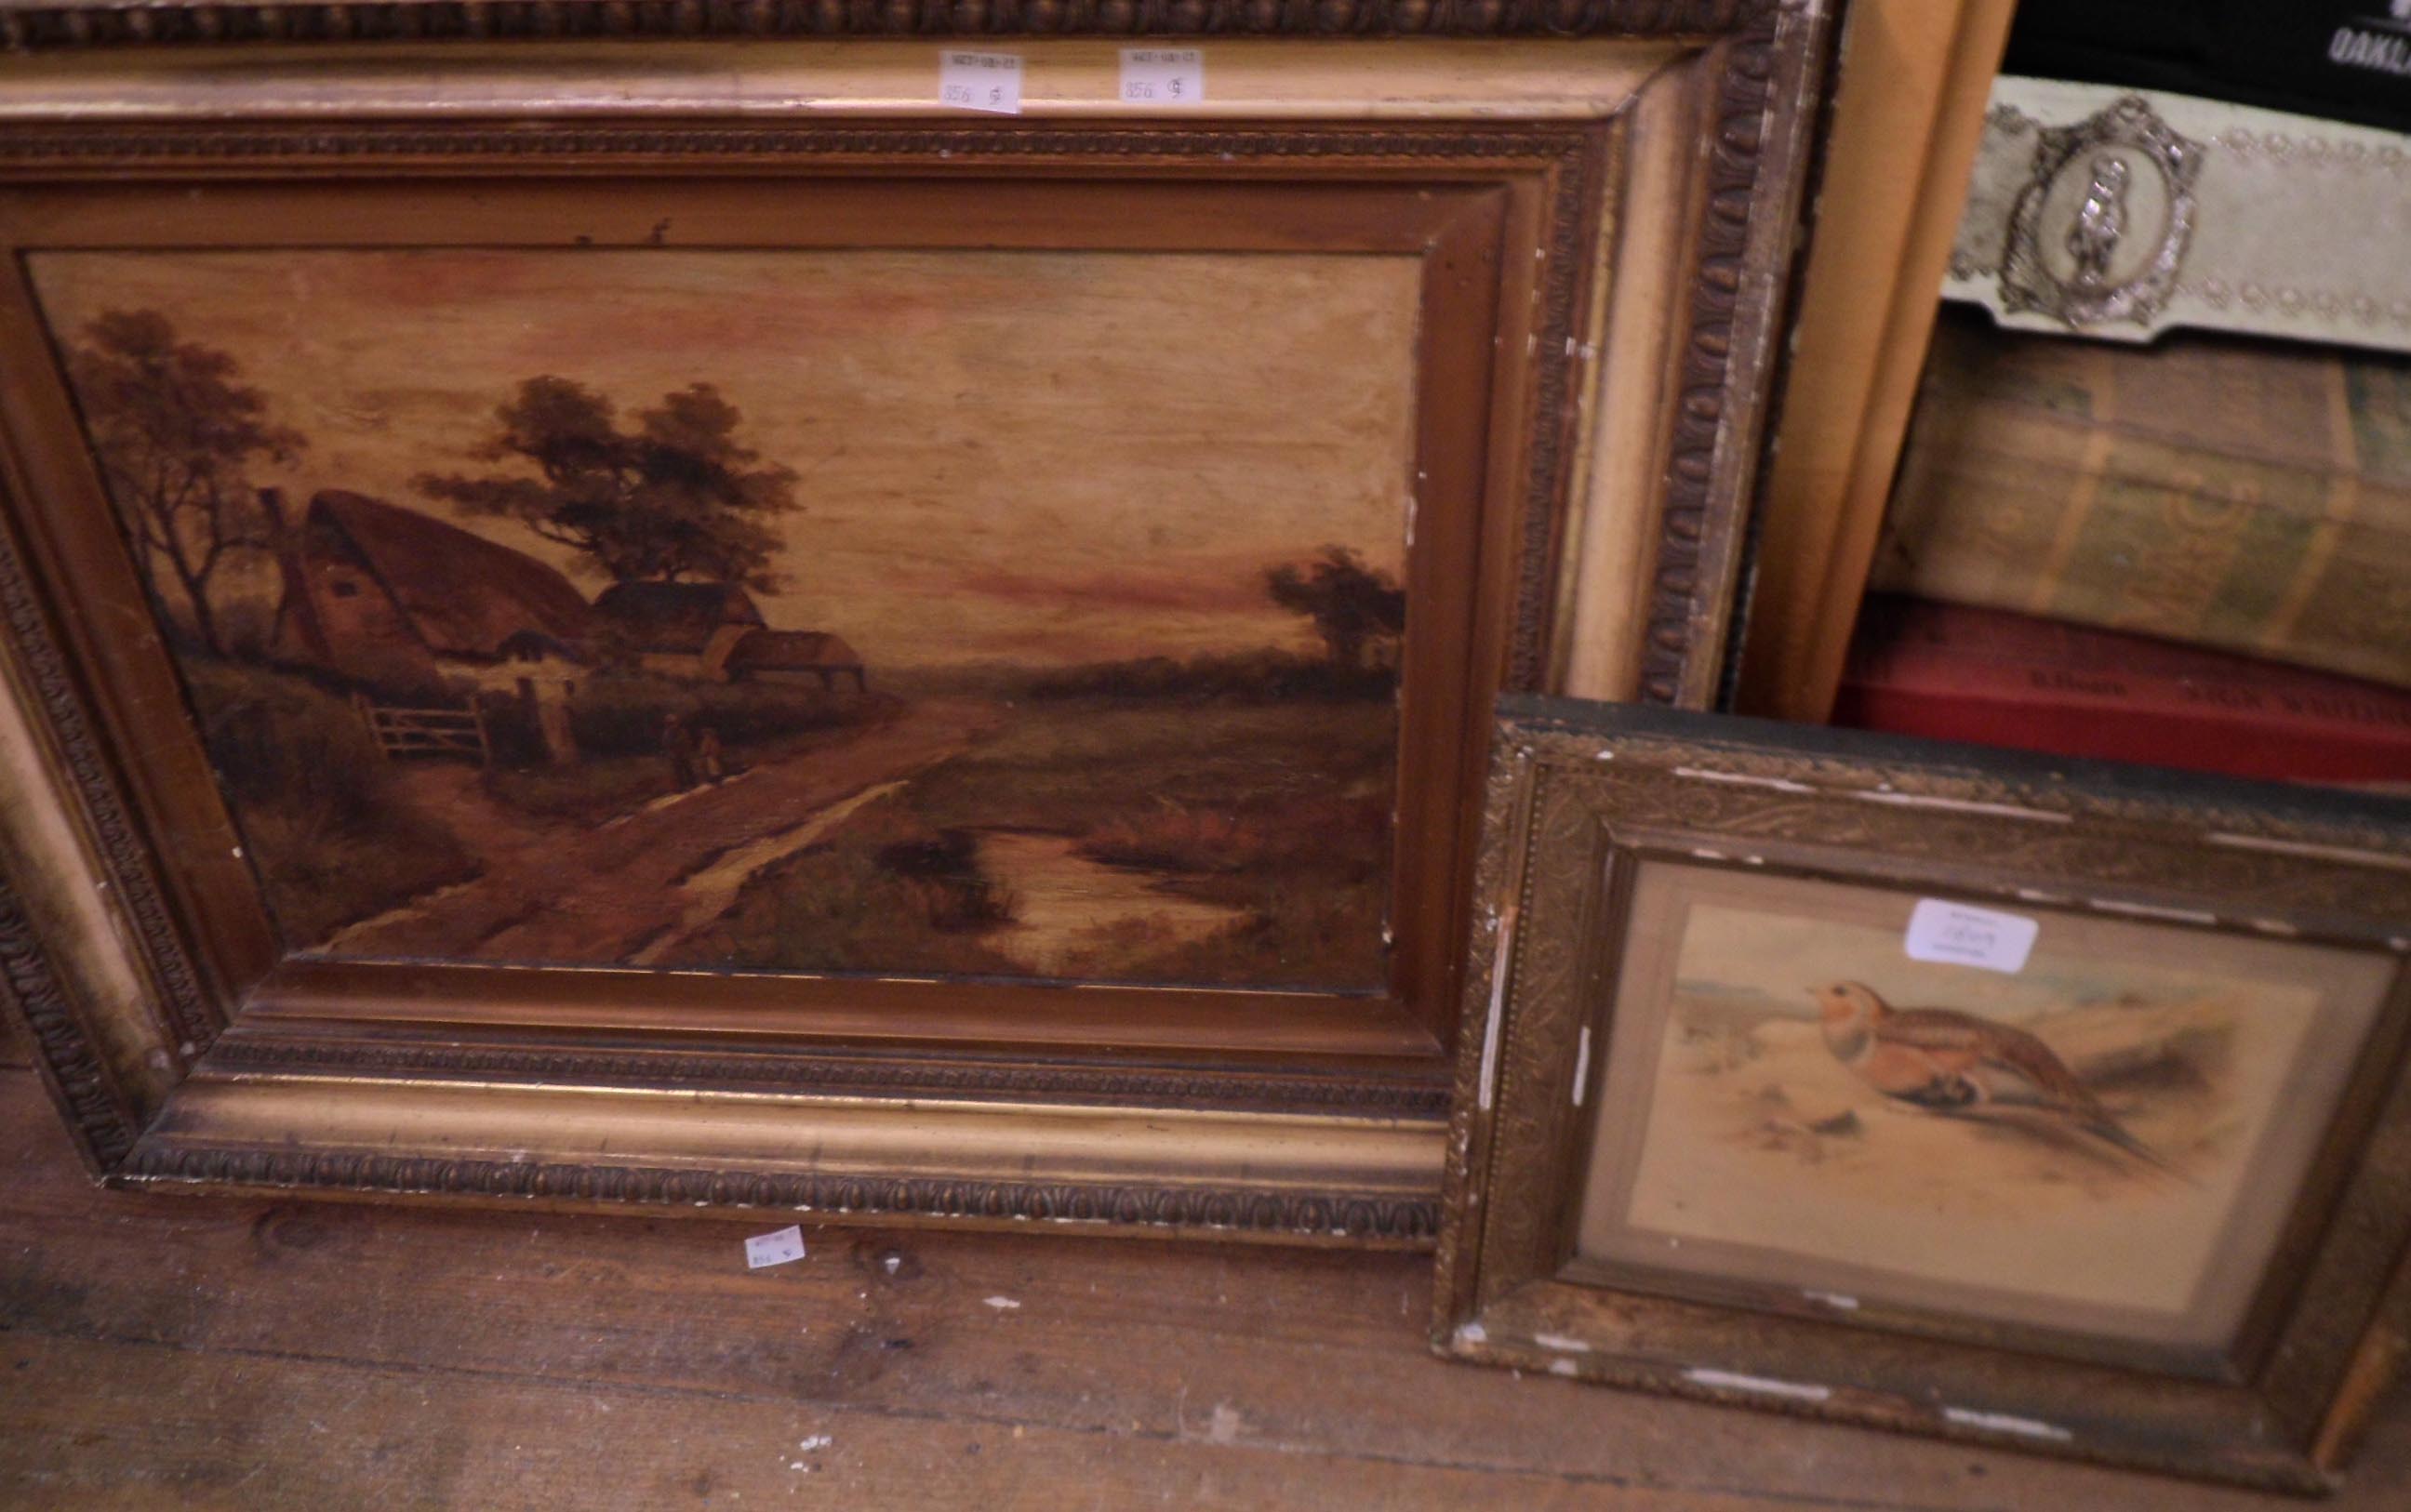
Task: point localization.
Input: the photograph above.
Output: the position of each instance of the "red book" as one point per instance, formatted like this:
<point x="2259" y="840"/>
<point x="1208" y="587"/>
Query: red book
<point x="1954" y="673"/>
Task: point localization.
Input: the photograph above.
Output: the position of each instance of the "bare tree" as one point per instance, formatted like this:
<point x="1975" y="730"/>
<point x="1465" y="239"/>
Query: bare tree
<point x="175" y="431"/>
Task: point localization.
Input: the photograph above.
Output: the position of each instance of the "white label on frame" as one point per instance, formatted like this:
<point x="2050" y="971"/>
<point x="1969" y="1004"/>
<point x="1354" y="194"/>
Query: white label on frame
<point x="774" y="1248"/>
<point x="1168" y="77"/>
<point x="990" y="81"/>
<point x="1958" y="934"/>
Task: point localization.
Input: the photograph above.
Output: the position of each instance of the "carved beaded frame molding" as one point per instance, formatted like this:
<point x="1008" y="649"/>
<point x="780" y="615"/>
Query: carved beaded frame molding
<point x="179" y="1069"/>
<point x="1581" y="795"/>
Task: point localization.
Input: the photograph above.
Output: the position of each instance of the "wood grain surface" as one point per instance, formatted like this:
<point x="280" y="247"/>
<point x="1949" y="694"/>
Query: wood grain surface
<point x="221" y="1354"/>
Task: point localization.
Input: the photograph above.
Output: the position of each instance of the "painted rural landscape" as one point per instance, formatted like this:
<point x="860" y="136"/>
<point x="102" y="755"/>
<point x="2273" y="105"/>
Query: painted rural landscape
<point x="907" y="613"/>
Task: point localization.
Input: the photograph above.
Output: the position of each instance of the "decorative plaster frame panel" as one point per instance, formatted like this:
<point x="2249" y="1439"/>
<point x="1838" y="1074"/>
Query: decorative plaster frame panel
<point x="192" y="1056"/>
<point x="2277" y="224"/>
<point x="1583" y="797"/>
<point x="2093" y="294"/>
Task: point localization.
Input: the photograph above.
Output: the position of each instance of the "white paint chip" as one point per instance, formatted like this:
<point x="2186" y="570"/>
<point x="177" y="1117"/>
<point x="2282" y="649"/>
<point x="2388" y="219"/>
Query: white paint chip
<point x="1488" y="1084"/>
<point x="2146" y="910"/>
<point x="987" y="82"/>
<point x="1166" y="78"/>
<point x="1559" y="1341"/>
<point x="1955" y="934"/>
<point x="2002" y="1422"/>
<point x="1839" y="1301"/>
<point x="2330" y="853"/>
<point x="1224" y="1425"/>
<point x="1002" y="1304"/>
<point x="1561" y="1367"/>
<point x="1762" y="1385"/>
<point x="815" y="1443"/>
<point x="1884" y="794"/>
<point x="774" y="1248"/>
<point x="1697" y="774"/>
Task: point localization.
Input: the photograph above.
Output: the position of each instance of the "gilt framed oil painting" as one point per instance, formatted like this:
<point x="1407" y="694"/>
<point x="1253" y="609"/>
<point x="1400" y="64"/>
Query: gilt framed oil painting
<point x="691" y="626"/>
<point x="792" y="620"/>
<point x="1933" y="1086"/>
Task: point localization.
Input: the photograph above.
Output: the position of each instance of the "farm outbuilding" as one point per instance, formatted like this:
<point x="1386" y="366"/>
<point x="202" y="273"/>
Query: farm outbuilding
<point x="385" y="594"/>
<point x="680" y="629"/>
<point x="796" y="656"/>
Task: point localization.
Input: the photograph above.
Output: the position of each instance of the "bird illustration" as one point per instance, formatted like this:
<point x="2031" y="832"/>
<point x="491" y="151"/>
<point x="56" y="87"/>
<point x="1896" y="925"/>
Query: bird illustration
<point x="1943" y="1061"/>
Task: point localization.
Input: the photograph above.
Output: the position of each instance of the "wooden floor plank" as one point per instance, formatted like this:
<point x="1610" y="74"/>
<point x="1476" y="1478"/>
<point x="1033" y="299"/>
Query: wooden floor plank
<point x="320" y="1435"/>
<point x="166" y="1346"/>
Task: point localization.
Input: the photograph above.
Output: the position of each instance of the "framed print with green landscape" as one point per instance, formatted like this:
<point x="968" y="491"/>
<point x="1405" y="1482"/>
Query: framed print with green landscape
<point x="1930" y="1087"/>
<point x="768" y="644"/>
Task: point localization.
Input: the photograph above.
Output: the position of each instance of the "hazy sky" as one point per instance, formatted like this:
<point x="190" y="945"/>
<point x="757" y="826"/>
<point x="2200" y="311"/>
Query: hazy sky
<point x="1048" y="457"/>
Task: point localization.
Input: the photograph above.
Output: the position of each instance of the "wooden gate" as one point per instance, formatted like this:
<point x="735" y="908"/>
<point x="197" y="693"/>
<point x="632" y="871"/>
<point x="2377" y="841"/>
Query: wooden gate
<point x="403" y="731"/>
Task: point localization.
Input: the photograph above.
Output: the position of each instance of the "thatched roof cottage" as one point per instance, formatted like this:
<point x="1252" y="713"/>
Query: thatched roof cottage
<point x="385" y="594"/>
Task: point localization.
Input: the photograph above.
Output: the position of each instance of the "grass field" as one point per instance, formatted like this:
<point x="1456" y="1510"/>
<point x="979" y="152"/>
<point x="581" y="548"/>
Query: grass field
<point x="1280" y="812"/>
<point x="331" y="840"/>
<point x="334" y="838"/>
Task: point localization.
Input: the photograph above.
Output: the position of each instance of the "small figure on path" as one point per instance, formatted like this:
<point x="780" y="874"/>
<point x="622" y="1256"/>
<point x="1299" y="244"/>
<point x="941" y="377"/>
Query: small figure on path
<point x="678" y="744"/>
<point x="707" y="754"/>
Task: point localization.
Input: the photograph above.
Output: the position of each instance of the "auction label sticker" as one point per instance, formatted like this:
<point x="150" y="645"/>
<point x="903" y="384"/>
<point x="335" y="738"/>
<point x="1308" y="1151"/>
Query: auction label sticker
<point x="1957" y="935"/>
<point x="990" y="81"/>
<point x="1171" y="76"/>
<point x="775" y="1248"/>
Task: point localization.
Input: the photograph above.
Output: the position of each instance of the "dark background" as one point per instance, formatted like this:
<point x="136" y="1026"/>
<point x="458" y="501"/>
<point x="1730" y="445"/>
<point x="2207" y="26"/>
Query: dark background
<point x="2272" y="54"/>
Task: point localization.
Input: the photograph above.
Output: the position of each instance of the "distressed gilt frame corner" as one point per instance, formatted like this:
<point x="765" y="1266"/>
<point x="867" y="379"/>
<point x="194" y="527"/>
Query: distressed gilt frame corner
<point x="1581" y="796"/>
<point x="177" y="1072"/>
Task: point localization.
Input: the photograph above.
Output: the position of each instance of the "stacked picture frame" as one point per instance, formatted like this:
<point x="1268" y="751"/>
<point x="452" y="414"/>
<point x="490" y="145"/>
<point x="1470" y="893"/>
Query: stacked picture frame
<point x="895" y="614"/>
<point x="2042" y="1104"/>
<point x="281" y="274"/>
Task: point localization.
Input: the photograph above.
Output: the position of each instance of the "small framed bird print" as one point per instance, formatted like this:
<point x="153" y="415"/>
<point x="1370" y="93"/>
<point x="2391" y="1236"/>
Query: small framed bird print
<point x="2051" y="1106"/>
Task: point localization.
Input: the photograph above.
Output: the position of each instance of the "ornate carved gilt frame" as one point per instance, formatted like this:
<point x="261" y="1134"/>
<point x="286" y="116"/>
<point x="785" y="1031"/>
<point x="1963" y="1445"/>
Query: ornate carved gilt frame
<point x="1581" y="797"/>
<point x="1637" y="184"/>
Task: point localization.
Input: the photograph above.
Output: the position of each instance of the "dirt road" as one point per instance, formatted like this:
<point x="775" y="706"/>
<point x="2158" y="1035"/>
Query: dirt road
<point x="561" y="893"/>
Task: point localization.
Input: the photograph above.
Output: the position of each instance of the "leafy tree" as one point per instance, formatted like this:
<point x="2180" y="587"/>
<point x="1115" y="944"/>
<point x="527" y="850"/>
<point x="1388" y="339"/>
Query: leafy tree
<point x="676" y="496"/>
<point x="175" y="431"/>
<point x="1353" y="607"/>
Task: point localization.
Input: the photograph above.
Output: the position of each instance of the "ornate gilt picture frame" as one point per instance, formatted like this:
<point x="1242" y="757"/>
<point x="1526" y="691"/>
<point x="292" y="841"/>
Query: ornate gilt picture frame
<point x="2038" y="1104"/>
<point x="684" y="625"/>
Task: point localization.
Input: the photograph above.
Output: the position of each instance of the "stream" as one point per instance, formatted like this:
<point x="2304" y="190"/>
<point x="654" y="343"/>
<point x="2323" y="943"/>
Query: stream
<point x="1068" y="906"/>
